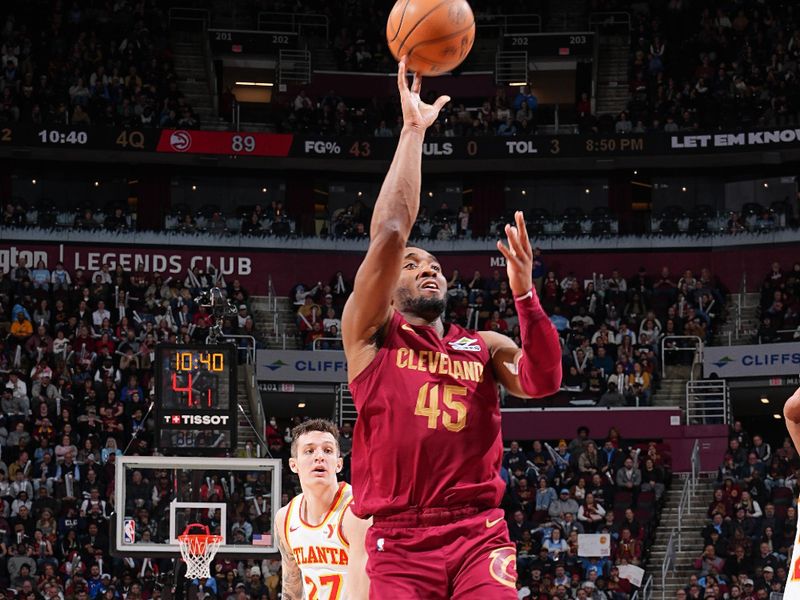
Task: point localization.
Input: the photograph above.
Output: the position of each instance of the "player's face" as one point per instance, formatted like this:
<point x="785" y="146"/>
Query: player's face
<point x="318" y="460"/>
<point x="422" y="287"/>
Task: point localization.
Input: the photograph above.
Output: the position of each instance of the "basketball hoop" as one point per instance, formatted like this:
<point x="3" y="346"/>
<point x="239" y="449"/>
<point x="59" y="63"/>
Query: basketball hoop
<point x="198" y="550"/>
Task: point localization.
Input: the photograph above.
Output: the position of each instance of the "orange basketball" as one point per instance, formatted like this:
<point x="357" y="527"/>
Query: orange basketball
<point x="436" y="35"/>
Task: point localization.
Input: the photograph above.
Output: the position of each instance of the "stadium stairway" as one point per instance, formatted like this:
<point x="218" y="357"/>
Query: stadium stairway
<point x="671" y="393"/>
<point x="692" y="543"/>
<point x="244" y="432"/>
<point x="612" y="76"/>
<point x="190" y="67"/>
<point x="277" y="327"/>
<point x="742" y="331"/>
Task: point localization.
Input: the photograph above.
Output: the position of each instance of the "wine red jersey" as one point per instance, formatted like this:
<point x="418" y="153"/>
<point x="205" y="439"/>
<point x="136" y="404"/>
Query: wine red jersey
<point x="428" y="429"/>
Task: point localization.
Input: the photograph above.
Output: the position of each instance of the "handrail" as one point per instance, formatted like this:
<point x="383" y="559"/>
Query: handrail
<point x="698" y="348"/>
<point x="180" y="13"/>
<point x="647" y="588"/>
<point x="597" y="19"/>
<point x="250" y="348"/>
<point x="296" y="21"/>
<point x="326" y="339"/>
<point x="684" y="505"/>
<point x="211" y="72"/>
<point x="707" y="402"/>
<point x="667" y="565"/>
<point x="696" y="466"/>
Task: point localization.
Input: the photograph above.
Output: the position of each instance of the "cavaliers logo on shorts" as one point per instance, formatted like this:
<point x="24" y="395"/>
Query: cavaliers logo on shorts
<point x="503" y="565"/>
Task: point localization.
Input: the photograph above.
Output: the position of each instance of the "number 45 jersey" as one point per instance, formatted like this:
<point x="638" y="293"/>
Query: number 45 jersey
<point x="428" y="429"/>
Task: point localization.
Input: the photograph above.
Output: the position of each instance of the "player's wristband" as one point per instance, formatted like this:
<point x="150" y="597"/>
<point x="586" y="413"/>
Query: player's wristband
<point x="528" y="305"/>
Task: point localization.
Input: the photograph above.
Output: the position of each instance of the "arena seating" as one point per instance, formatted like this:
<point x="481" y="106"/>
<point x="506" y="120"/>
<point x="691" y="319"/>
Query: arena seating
<point x="780" y="305"/>
<point x="752" y="522"/>
<point x="89" y="63"/>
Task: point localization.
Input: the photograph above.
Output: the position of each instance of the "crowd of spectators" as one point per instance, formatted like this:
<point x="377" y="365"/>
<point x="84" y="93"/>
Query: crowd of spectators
<point x="711" y="64"/>
<point x="780" y="305"/>
<point x="253" y="220"/>
<point x="82" y="63"/>
<point x="504" y="114"/>
<point x="556" y="492"/>
<point x="611" y="327"/>
<point x="76" y="378"/>
<point x="752" y="522"/>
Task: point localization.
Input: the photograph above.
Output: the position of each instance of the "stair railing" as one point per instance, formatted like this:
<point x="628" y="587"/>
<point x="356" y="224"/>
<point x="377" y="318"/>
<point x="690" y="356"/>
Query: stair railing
<point x="707" y="402"/>
<point x="697" y="350"/>
<point x="668" y="564"/>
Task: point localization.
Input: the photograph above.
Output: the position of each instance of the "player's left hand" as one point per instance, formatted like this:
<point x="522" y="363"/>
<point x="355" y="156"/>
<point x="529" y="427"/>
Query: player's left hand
<point x="518" y="255"/>
<point x="416" y="113"/>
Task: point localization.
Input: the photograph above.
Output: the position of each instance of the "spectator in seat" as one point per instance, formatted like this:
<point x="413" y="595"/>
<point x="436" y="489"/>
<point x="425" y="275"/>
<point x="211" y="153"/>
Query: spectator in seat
<point x="591" y="514"/>
<point x="629" y="477"/>
<point x="562" y="505"/>
<point x="762" y="449"/>
<point x="611" y="397"/>
<point x="555" y="545"/>
<point x="709" y="562"/>
<point x="628" y="548"/>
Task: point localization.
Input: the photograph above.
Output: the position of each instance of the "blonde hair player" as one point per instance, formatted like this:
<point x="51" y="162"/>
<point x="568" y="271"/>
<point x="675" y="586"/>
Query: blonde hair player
<point x="791" y="411"/>
<point x="320" y="539"/>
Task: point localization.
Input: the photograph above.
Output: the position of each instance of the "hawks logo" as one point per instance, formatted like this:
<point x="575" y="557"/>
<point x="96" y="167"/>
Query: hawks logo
<point x="503" y="566"/>
<point x="466" y="343"/>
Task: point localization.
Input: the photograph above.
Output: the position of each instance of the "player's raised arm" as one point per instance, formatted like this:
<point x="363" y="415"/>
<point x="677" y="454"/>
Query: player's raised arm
<point x="533" y="371"/>
<point x="368" y="308"/>
<point x="791" y="410"/>
<point x="291" y="579"/>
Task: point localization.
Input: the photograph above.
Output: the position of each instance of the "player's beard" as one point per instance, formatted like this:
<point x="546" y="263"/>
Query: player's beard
<point x="429" y="309"/>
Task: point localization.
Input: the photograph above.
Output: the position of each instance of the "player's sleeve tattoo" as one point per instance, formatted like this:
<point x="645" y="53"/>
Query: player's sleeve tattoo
<point x="291" y="579"/>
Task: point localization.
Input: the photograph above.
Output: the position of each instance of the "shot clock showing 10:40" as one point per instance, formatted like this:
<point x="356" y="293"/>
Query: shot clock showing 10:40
<point x="195" y="395"/>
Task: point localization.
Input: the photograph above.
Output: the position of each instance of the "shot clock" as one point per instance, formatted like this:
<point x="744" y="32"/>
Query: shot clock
<point x="195" y="409"/>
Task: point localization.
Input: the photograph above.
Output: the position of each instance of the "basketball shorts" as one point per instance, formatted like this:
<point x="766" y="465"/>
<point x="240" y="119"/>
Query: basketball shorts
<point x="442" y="554"/>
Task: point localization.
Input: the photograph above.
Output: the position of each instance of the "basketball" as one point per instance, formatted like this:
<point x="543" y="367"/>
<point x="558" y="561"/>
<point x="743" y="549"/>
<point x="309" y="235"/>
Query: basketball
<point x="435" y="35"/>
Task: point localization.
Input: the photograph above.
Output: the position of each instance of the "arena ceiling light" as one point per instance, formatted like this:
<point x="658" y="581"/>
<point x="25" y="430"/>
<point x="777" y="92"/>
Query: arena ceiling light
<point x="764" y="400"/>
<point x="777" y="416"/>
<point x="517" y="84"/>
<point x="301" y="405"/>
<point x="255" y="83"/>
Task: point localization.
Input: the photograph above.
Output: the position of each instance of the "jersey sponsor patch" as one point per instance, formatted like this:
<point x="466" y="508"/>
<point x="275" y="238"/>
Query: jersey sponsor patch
<point x="466" y="343"/>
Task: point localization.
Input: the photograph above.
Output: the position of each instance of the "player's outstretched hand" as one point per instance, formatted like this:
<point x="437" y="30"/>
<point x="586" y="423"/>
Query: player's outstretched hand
<point x="519" y="256"/>
<point x="791" y="410"/>
<point x="416" y="113"/>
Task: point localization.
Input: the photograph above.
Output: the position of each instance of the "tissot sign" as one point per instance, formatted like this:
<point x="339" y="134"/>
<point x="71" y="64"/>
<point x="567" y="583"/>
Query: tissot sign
<point x="751" y="361"/>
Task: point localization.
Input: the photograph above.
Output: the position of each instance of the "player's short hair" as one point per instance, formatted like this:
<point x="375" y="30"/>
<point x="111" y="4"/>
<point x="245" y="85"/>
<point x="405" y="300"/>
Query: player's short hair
<point x="314" y="425"/>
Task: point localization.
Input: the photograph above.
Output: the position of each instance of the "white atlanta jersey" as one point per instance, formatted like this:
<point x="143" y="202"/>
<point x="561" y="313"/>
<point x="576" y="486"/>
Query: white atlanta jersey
<point x="321" y="551"/>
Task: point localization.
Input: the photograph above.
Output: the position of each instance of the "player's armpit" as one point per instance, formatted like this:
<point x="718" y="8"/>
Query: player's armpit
<point x="291" y="578"/>
<point x="355" y="530"/>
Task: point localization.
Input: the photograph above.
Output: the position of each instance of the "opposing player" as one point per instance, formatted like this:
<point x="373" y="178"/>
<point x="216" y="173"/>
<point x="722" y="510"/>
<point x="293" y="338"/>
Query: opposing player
<point x="791" y="410"/>
<point x="427" y="446"/>
<point x="321" y="541"/>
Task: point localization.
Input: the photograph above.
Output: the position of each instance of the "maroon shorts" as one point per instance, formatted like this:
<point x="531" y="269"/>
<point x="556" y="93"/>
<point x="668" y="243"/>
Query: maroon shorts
<point x="442" y="554"/>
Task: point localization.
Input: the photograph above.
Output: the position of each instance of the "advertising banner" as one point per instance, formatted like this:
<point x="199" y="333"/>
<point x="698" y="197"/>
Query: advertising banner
<point x="758" y="360"/>
<point x="301" y="365"/>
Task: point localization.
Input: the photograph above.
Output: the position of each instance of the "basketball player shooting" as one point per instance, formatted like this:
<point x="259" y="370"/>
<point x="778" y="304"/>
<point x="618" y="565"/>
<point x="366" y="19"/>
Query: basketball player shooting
<point x="427" y="446"/>
<point x="791" y="411"/>
<point x="320" y="540"/>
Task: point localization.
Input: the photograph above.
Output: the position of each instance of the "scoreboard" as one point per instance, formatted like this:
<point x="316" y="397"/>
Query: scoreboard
<point x="195" y="409"/>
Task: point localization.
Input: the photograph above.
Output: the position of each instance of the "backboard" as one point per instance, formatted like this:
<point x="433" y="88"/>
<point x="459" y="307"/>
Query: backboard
<point x="158" y="496"/>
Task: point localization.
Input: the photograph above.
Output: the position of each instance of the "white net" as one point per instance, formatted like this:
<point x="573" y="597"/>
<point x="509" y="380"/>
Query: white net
<point x="198" y="551"/>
